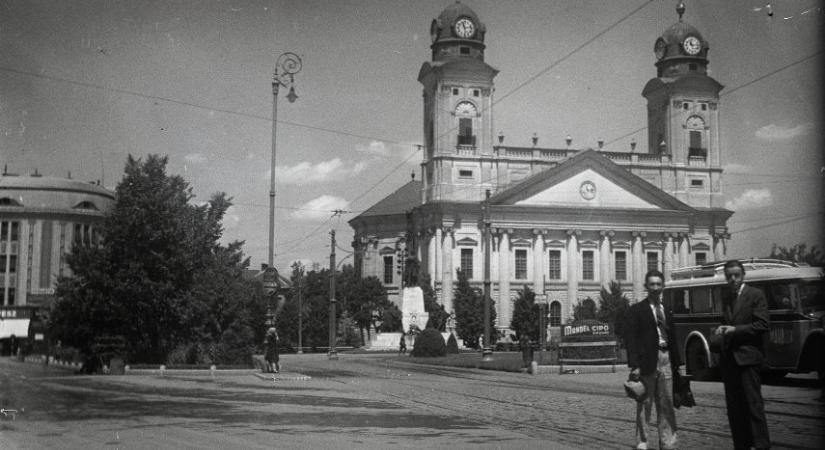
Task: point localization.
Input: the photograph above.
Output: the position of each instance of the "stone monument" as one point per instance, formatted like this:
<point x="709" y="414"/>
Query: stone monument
<point x="413" y="314"/>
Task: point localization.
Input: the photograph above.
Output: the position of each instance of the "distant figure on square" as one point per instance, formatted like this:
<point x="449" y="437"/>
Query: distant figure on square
<point x="402" y="346"/>
<point x="271" y="354"/>
<point x="744" y="321"/>
<point x="652" y="357"/>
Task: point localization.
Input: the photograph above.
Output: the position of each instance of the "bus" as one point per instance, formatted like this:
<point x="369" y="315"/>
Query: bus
<point x="796" y="304"/>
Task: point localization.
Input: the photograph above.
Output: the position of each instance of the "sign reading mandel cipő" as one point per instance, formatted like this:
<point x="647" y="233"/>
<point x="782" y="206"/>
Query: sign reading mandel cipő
<point x="591" y="328"/>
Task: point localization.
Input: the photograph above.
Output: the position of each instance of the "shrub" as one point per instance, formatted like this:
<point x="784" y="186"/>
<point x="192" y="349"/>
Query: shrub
<point x="429" y="343"/>
<point x="452" y="344"/>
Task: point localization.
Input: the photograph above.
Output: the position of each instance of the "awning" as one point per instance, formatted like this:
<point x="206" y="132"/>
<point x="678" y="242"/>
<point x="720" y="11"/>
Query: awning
<point x="17" y="327"/>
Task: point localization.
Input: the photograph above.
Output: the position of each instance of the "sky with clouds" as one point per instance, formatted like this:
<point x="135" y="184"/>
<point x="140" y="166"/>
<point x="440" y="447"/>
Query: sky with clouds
<point x="85" y="83"/>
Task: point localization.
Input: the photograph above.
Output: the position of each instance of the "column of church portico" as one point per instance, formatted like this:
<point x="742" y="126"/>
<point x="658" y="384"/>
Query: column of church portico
<point x="572" y="267"/>
<point x="431" y="266"/>
<point x="447" y="270"/>
<point x="503" y="308"/>
<point x="638" y="266"/>
<point x="538" y="261"/>
<point x="604" y="258"/>
<point x="684" y="250"/>
<point x="719" y="244"/>
<point x="667" y="265"/>
<point x="437" y="256"/>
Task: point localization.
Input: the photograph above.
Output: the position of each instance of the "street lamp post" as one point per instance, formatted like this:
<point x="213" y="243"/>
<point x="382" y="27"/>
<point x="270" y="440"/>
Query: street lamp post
<point x="287" y="65"/>
<point x="487" y="351"/>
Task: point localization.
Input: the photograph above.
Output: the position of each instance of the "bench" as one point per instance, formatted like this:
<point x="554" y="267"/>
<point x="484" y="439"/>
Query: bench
<point x="609" y="344"/>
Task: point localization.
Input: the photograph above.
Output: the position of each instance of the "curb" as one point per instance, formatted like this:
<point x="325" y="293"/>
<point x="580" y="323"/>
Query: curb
<point x="282" y="376"/>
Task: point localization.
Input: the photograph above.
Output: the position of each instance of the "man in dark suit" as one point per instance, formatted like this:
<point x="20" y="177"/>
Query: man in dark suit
<point x="744" y="321"/>
<point x="652" y="356"/>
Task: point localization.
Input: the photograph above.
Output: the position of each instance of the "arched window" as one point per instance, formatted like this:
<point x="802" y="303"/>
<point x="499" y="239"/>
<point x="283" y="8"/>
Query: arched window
<point x="86" y="205"/>
<point x="555" y="314"/>
<point x="6" y="201"/>
<point x="696" y="133"/>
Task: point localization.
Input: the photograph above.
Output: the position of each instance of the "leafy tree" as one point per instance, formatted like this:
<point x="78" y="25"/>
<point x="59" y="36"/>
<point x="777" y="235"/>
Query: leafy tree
<point x="612" y="306"/>
<point x="527" y="313"/>
<point x="316" y="304"/>
<point x="438" y="316"/>
<point x="365" y="299"/>
<point x="391" y="320"/>
<point x="584" y="310"/>
<point x="799" y="253"/>
<point x="148" y="279"/>
<point x="469" y="312"/>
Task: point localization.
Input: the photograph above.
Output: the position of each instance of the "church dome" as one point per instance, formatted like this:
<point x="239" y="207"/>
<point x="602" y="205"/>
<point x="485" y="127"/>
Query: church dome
<point x="457" y="22"/>
<point x="681" y="49"/>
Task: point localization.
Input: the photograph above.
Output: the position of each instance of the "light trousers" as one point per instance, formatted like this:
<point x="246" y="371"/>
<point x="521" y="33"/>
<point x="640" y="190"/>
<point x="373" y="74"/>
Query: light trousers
<point x="659" y="385"/>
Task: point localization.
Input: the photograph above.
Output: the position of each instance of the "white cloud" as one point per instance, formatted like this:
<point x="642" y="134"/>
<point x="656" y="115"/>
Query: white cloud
<point x="320" y="208"/>
<point x="736" y="168"/>
<point x="195" y="158"/>
<point x="750" y="199"/>
<point x="374" y="148"/>
<point x="230" y="219"/>
<point x="306" y="172"/>
<point x="775" y="132"/>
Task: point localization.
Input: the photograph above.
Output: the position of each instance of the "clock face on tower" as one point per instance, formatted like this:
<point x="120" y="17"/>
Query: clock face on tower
<point x="465" y="28"/>
<point x="588" y="190"/>
<point x="692" y="45"/>
<point x="466" y="109"/>
<point x="659" y="48"/>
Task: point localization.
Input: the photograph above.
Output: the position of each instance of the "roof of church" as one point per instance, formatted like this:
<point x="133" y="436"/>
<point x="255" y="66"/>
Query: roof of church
<point x="402" y="200"/>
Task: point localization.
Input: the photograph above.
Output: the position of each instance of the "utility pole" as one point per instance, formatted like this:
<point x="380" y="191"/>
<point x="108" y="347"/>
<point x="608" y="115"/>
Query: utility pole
<point x="300" y="313"/>
<point x="487" y="351"/>
<point x="333" y="354"/>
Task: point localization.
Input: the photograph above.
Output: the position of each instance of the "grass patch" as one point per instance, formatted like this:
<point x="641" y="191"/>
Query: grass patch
<point x="502" y="361"/>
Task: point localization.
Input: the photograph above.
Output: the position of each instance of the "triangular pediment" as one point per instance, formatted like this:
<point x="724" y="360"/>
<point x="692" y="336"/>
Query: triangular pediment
<point x="588" y="180"/>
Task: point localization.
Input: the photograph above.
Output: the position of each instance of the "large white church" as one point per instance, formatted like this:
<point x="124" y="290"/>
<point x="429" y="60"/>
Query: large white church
<point x="564" y="221"/>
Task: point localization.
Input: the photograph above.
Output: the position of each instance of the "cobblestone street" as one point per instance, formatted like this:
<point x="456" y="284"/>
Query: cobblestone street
<point x="365" y="401"/>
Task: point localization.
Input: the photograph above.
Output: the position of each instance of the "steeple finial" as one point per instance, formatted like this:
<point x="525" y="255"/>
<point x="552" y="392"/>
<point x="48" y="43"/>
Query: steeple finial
<point x="680" y="9"/>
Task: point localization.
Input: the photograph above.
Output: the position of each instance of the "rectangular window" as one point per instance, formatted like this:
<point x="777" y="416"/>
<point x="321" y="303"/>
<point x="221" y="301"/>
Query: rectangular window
<point x="652" y="261"/>
<point x="696" y="147"/>
<point x="554" y="265"/>
<point x="701" y="258"/>
<point x="455" y="91"/>
<point x="521" y="264"/>
<point x="587" y="265"/>
<point x="464" y="50"/>
<point x="46" y="236"/>
<point x="465" y="174"/>
<point x="696" y="183"/>
<point x="467" y="262"/>
<point x="388" y="270"/>
<point x="475" y="92"/>
<point x="621" y="265"/>
<point x="465" y="132"/>
<point x="700" y="300"/>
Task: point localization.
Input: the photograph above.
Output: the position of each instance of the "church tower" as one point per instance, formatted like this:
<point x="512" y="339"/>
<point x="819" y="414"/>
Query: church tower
<point x="683" y="116"/>
<point x="458" y="96"/>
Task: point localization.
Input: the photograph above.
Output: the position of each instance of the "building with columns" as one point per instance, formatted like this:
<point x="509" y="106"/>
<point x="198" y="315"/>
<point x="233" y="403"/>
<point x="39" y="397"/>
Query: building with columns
<point x="564" y="221"/>
<point x="40" y="219"/>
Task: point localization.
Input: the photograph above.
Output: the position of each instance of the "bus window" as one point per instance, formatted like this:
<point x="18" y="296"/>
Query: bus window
<point x="680" y="301"/>
<point x="780" y="296"/>
<point x="700" y="300"/>
<point x="717" y="292"/>
<point x="812" y="295"/>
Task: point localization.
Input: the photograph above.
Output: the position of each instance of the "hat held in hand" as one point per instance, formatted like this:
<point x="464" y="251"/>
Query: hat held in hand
<point x="635" y="390"/>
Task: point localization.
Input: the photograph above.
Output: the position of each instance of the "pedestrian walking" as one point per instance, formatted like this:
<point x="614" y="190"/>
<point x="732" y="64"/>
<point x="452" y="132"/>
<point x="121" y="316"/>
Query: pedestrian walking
<point x="271" y="354"/>
<point x="652" y="357"/>
<point x="744" y="321"/>
<point x="402" y="346"/>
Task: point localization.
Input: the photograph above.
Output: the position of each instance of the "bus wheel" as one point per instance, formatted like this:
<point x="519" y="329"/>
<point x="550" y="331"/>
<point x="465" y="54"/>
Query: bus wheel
<point x="697" y="361"/>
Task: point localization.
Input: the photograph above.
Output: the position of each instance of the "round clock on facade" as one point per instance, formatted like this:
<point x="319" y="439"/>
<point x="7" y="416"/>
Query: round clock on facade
<point x="465" y="28"/>
<point x="659" y="48"/>
<point x="695" y="123"/>
<point x="692" y="45"/>
<point x="466" y="109"/>
<point x="587" y="190"/>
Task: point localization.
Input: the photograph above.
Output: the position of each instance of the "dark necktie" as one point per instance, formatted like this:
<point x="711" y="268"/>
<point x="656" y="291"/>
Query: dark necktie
<point x="660" y="322"/>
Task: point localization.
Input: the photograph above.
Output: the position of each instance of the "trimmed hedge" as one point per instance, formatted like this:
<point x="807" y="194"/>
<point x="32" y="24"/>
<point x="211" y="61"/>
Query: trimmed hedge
<point x="452" y="345"/>
<point x="429" y="343"/>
